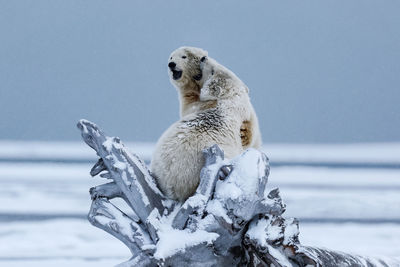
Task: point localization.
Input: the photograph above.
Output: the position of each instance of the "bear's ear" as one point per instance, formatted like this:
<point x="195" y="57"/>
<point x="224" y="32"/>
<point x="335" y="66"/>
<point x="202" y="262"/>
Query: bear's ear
<point x="203" y="59"/>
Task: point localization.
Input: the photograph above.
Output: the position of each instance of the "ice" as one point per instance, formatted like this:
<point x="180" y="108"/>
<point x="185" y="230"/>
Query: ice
<point x="62" y="262"/>
<point x="58" y="239"/>
<point x="363" y="239"/>
<point x="61" y="150"/>
<point x="345" y="153"/>
<point x="339" y="193"/>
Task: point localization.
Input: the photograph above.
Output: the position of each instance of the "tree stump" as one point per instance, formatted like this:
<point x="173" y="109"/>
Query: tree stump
<point x="231" y="220"/>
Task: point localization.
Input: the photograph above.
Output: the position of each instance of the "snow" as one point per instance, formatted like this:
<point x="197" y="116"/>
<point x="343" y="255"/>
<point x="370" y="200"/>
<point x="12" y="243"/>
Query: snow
<point x="228" y="190"/>
<point x="195" y="201"/>
<point x="119" y="165"/>
<point x="257" y="232"/>
<point x="348" y="153"/>
<point x="124" y="167"/>
<point x="63" y="262"/>
<point x="345" y="153"/>
<point x="354" y="210"/>
<point x="125" y="224"/>
<point x="291" y="230"/>
<point x="215" y="207"/>
<point x="339" y="193"/>
<point x="242" y="183"/>
<point x="172" y="240"/>
<point x="141" y="166"/>
<point x="125" y="179"/>
<point x="363" y="239"/>
<point x="322" y="177"/>
<point x="58" y="239"/>
<point x="61" y="150"/>
<point x="278" y="255"/>
<point x="108" y="144"/>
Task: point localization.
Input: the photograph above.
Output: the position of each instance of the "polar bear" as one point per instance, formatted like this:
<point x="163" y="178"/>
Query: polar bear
<point x="185" y="74"/>
<point x="178" y="159"/>
<point x="221" y="84"/>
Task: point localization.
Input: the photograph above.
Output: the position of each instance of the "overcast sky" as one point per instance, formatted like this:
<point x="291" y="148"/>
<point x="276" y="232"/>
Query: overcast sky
<point x="318" y="71"/>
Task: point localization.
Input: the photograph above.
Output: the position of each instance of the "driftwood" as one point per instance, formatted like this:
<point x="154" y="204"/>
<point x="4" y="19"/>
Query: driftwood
<point x="231" y="220"/>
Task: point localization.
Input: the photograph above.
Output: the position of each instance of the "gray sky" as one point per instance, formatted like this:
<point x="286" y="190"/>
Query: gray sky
<point x="318" y="71"/>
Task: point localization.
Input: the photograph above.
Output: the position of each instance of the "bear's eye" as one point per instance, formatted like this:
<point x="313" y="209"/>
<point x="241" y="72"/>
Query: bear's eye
<point x="183" y="56"/>
<point x="202" y="59"/>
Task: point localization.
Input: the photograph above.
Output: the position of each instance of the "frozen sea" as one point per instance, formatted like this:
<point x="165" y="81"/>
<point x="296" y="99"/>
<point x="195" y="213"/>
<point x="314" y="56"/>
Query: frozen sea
<point x="347" y="197"/>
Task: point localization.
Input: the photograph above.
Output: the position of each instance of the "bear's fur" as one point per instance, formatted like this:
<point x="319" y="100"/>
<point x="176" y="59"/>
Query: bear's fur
<point x="186" y="76"/>
<point x="223" y="84"/>
<point x="215" y="109"/>
<point x="189" y="85"/>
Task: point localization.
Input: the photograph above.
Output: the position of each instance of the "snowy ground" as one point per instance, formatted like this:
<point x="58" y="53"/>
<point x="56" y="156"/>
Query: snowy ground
<point x="347" y="198"/>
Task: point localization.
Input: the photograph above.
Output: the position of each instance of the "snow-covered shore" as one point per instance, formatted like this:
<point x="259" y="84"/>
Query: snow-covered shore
<point x="384" y="153"/>
<point x="44" y="203"/>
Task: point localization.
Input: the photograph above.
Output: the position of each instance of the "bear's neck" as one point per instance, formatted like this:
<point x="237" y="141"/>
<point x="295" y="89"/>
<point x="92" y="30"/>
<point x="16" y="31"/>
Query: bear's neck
<point x="187" y="100"/>
<point x="190" y="99"/>
<point x="189" y="96"/>
<point x="192" y="104"/>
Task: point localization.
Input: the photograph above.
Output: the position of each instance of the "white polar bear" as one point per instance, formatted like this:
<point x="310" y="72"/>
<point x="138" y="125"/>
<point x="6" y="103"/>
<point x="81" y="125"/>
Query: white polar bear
<point x="215" y="109"/>
<point x="186" y="75"/>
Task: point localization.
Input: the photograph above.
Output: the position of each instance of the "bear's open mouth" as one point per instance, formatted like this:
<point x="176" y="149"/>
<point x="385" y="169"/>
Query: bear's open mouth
<point x="176" y="74"/>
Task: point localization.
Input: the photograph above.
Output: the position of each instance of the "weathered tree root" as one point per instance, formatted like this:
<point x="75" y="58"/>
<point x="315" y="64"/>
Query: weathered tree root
<point x="231" y="219"/>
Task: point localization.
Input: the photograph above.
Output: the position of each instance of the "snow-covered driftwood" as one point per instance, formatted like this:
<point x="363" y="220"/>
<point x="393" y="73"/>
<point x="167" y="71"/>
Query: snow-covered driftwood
<point x="231" y="220"/>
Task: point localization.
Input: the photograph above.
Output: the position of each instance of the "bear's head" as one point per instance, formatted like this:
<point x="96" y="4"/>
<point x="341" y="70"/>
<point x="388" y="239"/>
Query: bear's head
<point x="184" y="68"/>
<point x="219" y="82"/>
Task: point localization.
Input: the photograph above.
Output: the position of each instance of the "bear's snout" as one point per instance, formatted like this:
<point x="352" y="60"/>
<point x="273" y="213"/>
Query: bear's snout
<point x="172" y="65"/>
<point x="176" y="74"/>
